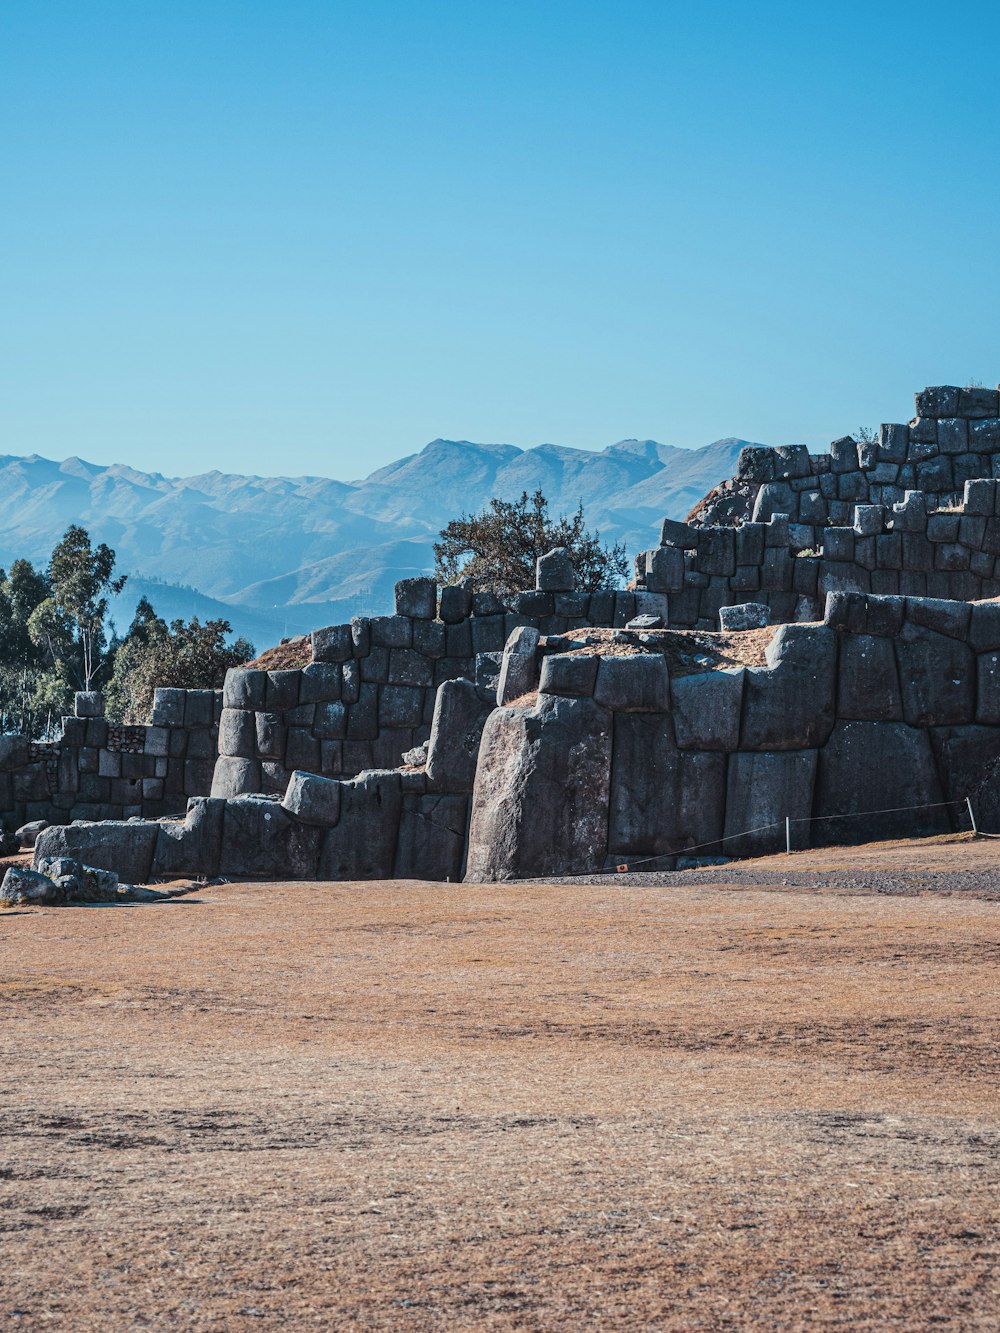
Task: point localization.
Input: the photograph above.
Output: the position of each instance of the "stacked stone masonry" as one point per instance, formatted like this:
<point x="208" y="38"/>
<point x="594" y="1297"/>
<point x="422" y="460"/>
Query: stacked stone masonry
<point x="877" y="722"/>
<point x="97" y="770"/>
<point x="368" y="696"/>
<point x="886" y="549"/>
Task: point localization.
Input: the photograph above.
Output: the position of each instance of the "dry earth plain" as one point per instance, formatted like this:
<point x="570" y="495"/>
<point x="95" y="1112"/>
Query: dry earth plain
<point x="686" y="1103"/>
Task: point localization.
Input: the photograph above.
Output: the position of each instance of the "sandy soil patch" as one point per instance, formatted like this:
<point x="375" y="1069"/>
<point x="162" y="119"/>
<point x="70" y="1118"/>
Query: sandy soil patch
<point x="422" y="1106"/>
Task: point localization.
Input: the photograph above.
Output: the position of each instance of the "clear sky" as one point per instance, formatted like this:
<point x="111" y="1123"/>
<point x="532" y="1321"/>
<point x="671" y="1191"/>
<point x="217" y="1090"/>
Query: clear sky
<point x="304" y="236"/>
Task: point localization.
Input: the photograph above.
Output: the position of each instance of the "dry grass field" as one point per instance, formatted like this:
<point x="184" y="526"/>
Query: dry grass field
<point x="690" y="1105"/>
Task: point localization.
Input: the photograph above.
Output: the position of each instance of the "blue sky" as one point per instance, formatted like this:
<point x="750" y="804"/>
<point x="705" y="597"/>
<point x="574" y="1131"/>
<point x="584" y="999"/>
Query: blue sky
<point x="309" y="237"/>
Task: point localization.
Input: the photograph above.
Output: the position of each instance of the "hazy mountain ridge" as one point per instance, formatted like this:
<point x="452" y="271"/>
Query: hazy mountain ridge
<point x="282" y="554"/>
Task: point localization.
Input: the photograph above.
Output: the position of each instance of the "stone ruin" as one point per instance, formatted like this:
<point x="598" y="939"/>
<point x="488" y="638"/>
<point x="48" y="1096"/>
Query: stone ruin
<point x="560" y="732"/>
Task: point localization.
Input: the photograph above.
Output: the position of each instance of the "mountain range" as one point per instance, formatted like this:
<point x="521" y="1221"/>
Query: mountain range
<point x="281" y="555"/>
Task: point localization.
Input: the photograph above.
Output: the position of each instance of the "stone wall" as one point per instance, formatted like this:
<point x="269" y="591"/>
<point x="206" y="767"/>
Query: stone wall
<point x="892" y="704"/>
<point x="97" y="770"/>
<point x="887" y="549"/>
<point x="954" y="438"/>
<point x="875" y="723"/>
<point x="368" y="696"/>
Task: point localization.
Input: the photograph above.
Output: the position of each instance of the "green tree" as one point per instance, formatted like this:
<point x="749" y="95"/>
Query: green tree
<point x="70" y="623"/>
<point x="187" y="655"/>
<point x="497" y="548"/>
<point x="26" y="679"/>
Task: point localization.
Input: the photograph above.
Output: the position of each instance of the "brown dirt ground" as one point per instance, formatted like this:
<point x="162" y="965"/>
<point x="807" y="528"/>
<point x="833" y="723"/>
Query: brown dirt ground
<point x="291" y="655"/>
<point x="682" y="1106"/>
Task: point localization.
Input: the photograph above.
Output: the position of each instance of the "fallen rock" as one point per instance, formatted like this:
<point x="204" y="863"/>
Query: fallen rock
<point x="27" y="833"/>
<point x="29" y="887"/>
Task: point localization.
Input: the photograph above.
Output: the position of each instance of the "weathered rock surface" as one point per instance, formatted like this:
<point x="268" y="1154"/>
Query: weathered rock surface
<point x="126" y="847"/>
<point x="363" y="843"/>
<point x="540" y="803"/>
<point x="456" y="732"/>
<point x="763" y="789"/>
<point x="880" y="781"/>
<point x="313" y="799"/>
<point x="707" y="708"/>
<point x="789" y="705"/>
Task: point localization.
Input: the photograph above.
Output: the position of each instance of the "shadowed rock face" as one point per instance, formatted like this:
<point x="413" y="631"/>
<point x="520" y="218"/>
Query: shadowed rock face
<point x="540" y="804"/>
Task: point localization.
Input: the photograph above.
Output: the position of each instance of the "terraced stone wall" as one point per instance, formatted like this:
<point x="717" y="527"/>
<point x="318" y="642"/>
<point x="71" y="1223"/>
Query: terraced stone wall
<point x="887" y="549"/>
<point x="97" y="770"/>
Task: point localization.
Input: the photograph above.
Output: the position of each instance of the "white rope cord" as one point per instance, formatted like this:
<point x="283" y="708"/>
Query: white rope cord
<point x="629" y="865"/>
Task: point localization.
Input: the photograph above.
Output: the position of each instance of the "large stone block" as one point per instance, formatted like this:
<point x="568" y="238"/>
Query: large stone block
<point x="282" y="690"/>
<point x="876" y="780"/>
<point x="431" y="842"/>
<point x="456" y="732"/>
<point x="707" y="708"/>
<point x="665" y="569"/>
<point x="270" y="736"/>
<point x="409" y="667"/>
<point x="363" y="844"/>
<point x="517" y="666"/>
<point x="244" y="688"/>
<point x="235" y="777"/>
<point x="677" y="534"/>
<point x="124" y="847"/>
<point x="416" y="598"/>
<point x="776" y="497"/>
<point x="456" y="602"/>
<point x="938" y="400"/>
<point x="261" y="841"/>
<point x="937" y="677"/>
<point x="194" y="846"/>
<point x="554" y="571"/>
<point x="789" y="704"/>
<point x="237" y="733"/>
<point x="540" y="803"/>
<point x="313" y="799"/>
<point x="332" y="643"/>
<point x="869" y="682"/>
<point x="964" y="756"/>
<point x="569" y="674"/>
<point x="762" y="790"/>
<point x="320" y="683"/>
<point x="168" y="707"/>
<point x="662" y="799"/>
<point x="977" y="402"/>
<point x="399" y="706"/>
<point x="638" y="683"/>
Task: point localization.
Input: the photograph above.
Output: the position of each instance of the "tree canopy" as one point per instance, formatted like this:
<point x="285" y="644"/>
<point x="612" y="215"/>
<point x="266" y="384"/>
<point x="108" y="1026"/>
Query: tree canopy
<point x="187" y="655"/>
<point x="56" y="637"/>
<point x="497" y="548"/>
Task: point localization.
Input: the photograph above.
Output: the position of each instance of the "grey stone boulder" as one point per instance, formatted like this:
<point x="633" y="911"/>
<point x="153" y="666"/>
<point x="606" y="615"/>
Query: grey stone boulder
<point x="416" y="598"/>
<point x="789" y="704"/>
<point x="89" y="703"/>
<point x="27" y="833"/>
<point x="28" y="888"/>
<point x="237" y="733"/>
<point x="540" y="802"/>
<point x="763" y="789"/>
<point x="639" y="683"/>
<point x="745" y="615"/>
<point x="416" y="757"/>
<point x="235" y="777"/>
<point x="456" y="601"/>
<point x="707" y="709"/>
<point x="192" y="846"/>
<point x="124" y="846"/>
<point x="262" y="841"/>
<point x="879" y="780"/>
<point x="937" y="677"/>
<point x="644" y="622"/>
<point x="332" y="643"/>
<point x="673" y="533"/>
<point x="244" y="688"/>
<point x="662" y="799"/>
<point x="568" y="673"/>
<point x="431" y="842"/>
<point x="168" y="707"/>
<point x="320" y="683"/>
<point x="965" y="755"/>
<point x="363" y="843"/>
<point x="554" y="571"/>
<point x="868" y="688"/>
<point x="313" y="799"/>
<point x="456" y="732"/>
<point x="517" y="666"/>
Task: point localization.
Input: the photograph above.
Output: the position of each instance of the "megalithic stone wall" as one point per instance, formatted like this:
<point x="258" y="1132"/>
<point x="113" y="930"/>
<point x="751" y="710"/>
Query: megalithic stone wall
<point x="876" y="723"/>
<point x="96" y="770"/>
<point x="891" y="705"/>
<point x="887" y="549"/>
<point x="368" y="696"/>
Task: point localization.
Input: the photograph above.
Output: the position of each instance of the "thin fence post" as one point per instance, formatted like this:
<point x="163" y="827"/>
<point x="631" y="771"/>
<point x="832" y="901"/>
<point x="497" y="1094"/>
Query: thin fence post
<point x="972" y="817"/>
<point x="788" y="836"/>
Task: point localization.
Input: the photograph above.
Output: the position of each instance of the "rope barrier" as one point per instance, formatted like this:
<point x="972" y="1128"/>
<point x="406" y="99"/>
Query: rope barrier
<point x="626" y="867"/>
